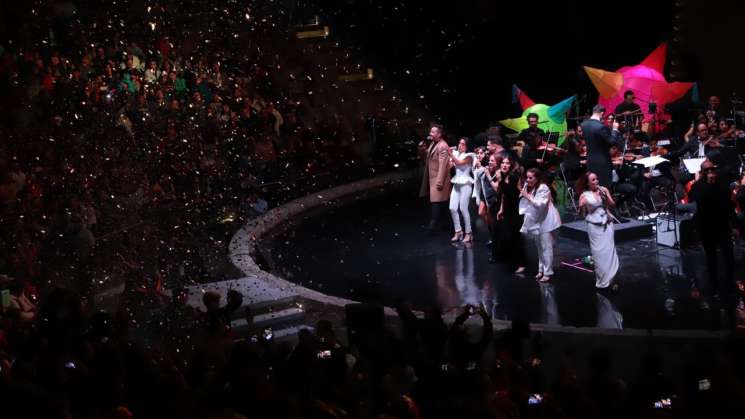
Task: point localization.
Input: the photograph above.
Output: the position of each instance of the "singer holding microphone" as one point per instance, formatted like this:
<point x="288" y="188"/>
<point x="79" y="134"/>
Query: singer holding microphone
<point x="436" y="176"/>
<point x="460" y="197"/>
<point x="595" y="201"/>
<point x="508" y="241"/>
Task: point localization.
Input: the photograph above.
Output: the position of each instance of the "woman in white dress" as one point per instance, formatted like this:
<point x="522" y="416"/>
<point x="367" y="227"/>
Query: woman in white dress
<point x="595" y="201"/>
<point x="460" y="196"/>
<point x="540" y="222"/>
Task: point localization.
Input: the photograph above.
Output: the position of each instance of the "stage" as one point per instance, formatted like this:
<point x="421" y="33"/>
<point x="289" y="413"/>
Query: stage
<point x="376" y="251"/>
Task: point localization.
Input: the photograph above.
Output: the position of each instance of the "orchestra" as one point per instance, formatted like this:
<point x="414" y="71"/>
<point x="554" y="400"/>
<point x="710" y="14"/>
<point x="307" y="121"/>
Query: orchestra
<point x="633" y="183"/>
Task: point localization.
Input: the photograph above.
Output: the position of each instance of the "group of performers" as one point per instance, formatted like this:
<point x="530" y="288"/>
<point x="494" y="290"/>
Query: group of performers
<point x="512" y="182"/>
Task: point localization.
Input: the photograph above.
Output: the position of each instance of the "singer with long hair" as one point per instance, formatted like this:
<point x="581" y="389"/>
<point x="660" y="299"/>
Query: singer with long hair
<point x="460" y="195"/>
<point x="595" y="202"/>
<point x="487" y="198"/>
<point x="508" y="184"/>
<point x="540" y="222"/>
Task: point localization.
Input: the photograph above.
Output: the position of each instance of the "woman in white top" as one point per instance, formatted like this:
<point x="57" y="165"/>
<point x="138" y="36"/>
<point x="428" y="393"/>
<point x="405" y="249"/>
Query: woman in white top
<point x="460" y="196"/>
<point x="595" y="201"/>
<point x="540" y="221"/>
<point x="479" y="168"/>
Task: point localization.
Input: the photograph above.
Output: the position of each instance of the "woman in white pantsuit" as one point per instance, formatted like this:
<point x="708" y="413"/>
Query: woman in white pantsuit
<point x="460" y="196"/>
<point x="540" y="222"/>
<point x="595" y="201"/>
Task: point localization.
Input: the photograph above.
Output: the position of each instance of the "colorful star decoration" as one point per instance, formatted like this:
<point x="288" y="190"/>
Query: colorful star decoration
<point x="550" y="118"/>
<point x="645" y="80"/>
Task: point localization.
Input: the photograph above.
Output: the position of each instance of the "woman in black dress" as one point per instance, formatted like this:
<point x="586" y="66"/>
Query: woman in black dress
<point x="509" y="219"/>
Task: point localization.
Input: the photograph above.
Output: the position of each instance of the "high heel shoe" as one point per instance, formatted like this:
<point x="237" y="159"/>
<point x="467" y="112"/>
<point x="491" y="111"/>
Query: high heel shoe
<point x="468" y="238"/>
<point x="457" y="237"/>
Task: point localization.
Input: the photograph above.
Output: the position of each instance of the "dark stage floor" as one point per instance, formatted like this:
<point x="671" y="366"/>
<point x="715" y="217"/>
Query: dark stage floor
<point x="376" y="251"/>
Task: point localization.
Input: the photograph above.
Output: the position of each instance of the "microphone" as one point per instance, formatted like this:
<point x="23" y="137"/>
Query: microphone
<point x="429" y="138"/>
<point x="603" y="195"/>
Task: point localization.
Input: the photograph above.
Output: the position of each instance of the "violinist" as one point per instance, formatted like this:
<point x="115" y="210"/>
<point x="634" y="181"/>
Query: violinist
<point x="624" y="176"/>
<point x="726" y="130"/>
<point x="532" y="138"/>
<point x="571" y="164"/>
<point x="695" y="142"/>
<point x="609" y="121"/>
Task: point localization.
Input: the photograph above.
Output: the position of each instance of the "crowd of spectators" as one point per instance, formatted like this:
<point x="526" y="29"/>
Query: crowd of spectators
<point x="124" y="142"/>
<point x="60" y="361"/>
<point x="125" y="135"/>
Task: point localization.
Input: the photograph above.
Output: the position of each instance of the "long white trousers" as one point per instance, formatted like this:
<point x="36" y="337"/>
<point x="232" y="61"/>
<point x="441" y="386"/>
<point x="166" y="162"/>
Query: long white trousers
<point x="460" y="197"/>
<point x="544" y="246"/>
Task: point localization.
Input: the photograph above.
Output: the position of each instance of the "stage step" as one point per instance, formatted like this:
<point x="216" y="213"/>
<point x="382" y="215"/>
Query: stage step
<point x="289" y="333"/>
<point x="270" y="306"/>
<point x="272" y="319"/>
<point x="257" y="294"/>
<point x="630" y="229"/>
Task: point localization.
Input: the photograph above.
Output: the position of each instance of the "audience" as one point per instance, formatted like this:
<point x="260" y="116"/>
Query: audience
<point x="70" y="362"/>
<point x="124" y="141"/>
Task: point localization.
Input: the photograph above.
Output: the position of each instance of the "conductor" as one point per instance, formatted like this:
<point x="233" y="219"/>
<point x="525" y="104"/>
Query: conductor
<point x="599" y="139"/>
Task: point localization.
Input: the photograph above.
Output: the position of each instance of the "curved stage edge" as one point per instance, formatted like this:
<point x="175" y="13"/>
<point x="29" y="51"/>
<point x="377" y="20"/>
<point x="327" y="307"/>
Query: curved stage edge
<point x="243" y="248"/>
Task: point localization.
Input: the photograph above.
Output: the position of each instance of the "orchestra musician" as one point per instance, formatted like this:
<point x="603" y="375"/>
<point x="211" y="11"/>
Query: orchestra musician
<point x="532" y="138"/>
<point x="696" y="144"/>
<point x="726" y="131"/>
<point x="599" y="139"/>
<point x="713" y="109"/>
<point x="629" y="111"/>
<point x="629" y="175"/>
<point x="572" y="162"/>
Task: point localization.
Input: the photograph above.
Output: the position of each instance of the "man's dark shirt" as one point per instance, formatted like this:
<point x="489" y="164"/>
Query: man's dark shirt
<point x="531" y="137"/>
<point x="624" y="107"/>
<point x="714" y="209"/>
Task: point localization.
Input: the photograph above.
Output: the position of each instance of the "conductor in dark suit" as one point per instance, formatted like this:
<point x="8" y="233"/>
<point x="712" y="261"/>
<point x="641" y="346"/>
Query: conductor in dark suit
<point x="599" y="139"/>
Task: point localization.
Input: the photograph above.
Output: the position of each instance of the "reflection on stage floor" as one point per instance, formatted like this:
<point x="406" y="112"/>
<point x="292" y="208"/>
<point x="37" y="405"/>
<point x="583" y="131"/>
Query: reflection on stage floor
<point x="376" y="251"/>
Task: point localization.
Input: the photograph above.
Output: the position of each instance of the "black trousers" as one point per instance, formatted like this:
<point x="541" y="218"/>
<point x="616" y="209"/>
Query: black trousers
<point x="507" y="241"/>
<point x="712" y="242"/>
<point x="438" y="208"/>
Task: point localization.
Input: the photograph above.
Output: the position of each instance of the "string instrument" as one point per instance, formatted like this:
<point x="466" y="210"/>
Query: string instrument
<point x="713" y="142"/>
<point x="550" y="148"/>
<point x="618" y="158"/>
<point x="689" y="185"/>
<point x="629" y="157"/>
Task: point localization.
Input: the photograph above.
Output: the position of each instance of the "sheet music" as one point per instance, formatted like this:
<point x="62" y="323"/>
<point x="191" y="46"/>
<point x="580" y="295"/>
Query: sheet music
<point x="693" y="165"/>
<point x="651" y="161"/>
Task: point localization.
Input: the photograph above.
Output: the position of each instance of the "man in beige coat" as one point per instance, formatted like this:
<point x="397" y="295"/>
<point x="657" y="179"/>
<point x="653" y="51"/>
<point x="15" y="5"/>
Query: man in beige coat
<point x="436" y="176"/>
